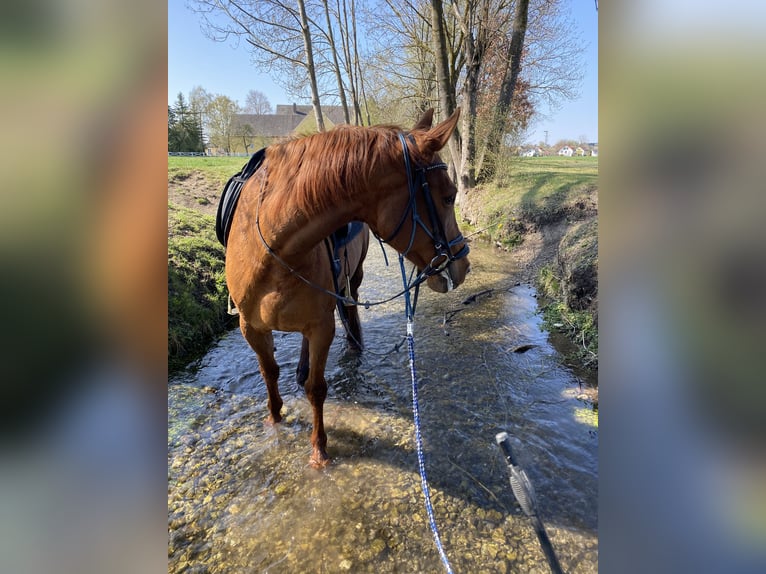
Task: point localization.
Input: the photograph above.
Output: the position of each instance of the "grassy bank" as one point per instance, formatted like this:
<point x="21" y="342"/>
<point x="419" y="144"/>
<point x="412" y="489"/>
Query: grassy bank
<point x="529" y="193"/>
<point x="197" y="296"/>
<point x="544" y="211"/>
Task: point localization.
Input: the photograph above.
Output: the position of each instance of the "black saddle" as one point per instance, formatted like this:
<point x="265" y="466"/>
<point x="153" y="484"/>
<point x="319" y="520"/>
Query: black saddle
<point x="230" y="195"/>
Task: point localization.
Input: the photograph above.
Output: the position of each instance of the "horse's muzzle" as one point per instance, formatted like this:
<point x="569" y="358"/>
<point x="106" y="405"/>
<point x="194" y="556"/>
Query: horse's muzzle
<point x="450" y="277"/>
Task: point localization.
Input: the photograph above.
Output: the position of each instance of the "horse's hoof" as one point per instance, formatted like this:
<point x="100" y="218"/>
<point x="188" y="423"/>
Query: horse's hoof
<point x="319" y="460"/>
<point x="271" y="420"/>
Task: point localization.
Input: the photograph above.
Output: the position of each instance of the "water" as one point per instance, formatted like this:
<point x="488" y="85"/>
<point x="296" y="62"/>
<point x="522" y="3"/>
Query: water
<point x="243" y="498"/>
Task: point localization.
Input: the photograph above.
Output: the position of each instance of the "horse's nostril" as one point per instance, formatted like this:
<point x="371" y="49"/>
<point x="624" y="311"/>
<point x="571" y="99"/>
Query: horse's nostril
<point x="467" y="271"/>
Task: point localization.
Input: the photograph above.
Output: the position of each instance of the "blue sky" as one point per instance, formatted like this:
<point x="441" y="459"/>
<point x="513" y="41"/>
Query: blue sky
<point x="225" y="68"/>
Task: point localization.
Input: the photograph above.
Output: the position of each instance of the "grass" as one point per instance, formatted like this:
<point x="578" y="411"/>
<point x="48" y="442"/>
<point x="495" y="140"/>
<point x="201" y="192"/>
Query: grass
<point x="197" y="296"/>
<point x="217" y="169"/>
<point x="537" y="190"/>
<point x="581" y="327"/>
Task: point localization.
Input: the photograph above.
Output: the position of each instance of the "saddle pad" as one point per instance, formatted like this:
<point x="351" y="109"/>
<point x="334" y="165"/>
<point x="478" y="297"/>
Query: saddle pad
<point x="230" y="195"/>
<point x="346" y="234"/>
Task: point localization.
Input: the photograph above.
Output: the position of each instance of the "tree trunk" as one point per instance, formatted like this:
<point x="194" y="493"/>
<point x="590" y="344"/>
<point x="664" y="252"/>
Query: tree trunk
<point x="446" y="86"/>
<point x="359" y="93"/>
<point x="494" y="138"/>
<point x="468" y="156"/>
<point x="350" y="60"/>
<point x="310" y="65"/>
<point x="336" y="65"/>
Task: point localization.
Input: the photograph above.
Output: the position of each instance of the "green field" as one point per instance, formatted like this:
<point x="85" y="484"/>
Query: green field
<point x="538" y="188"/>
<point x="218" y="169"/>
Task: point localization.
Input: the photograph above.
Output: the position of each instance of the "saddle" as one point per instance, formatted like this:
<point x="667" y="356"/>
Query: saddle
<point x="230" y="196"/>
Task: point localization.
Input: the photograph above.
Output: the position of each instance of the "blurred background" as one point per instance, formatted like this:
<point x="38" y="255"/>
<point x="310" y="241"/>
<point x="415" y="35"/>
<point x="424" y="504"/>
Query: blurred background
<point x="683" y="279"/>
<point x="83" y="286"/>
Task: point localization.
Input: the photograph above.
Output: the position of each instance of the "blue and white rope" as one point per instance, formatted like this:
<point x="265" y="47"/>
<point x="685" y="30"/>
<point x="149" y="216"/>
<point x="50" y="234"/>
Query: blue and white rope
<point x="416" y="416"/>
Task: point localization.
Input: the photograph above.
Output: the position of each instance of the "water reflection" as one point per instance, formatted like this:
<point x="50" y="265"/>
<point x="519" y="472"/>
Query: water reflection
<point x="242" y="497"/>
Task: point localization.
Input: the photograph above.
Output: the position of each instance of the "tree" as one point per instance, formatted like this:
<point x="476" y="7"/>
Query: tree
<point x="499" y="120"/>
<point x="257" y="103"/>
<point x="199" y="101"/>
<point x="184" y="128"/>
<point x="220" y="115"/>
<point x="335" y="58"/>
<point x="247" y="133"/>
<point x="309" y="46"/>
<point x="446" y="83"/>
<point x="478" y="59"/>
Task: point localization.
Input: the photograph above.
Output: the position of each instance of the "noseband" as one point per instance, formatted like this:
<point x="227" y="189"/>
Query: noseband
<point x="442" y="247"/>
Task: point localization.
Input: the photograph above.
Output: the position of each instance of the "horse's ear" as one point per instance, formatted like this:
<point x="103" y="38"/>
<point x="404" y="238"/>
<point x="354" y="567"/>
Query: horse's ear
<point x="438" y="136"/>
<point x="425" y="121"/>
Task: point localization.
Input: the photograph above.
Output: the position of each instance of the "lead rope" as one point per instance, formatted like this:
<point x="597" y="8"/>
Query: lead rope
<point x="410" y="311"/>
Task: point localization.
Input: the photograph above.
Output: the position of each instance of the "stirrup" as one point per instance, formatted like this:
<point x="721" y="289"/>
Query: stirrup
<point x="232" y="308"/>
<point x="347" y="294"/>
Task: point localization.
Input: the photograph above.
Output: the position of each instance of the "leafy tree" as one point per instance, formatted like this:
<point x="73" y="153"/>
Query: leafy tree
<point x="496" y="59"/>
<point x="220" y="115"/>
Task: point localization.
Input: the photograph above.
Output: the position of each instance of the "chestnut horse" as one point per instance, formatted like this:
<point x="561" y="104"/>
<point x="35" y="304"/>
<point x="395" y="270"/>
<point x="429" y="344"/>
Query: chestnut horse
<point x="277" y="267"/>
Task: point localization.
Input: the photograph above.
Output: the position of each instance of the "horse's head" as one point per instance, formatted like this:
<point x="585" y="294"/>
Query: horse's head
<point x="419" y="221"/>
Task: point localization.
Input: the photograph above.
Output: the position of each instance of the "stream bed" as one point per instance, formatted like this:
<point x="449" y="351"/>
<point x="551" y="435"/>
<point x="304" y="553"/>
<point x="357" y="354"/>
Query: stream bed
<point x="243" y="498"/>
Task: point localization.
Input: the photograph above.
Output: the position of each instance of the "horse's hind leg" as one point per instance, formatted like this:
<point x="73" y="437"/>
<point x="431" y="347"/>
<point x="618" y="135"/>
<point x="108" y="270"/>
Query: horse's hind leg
<point x="354" y="333"/>
<point x="302" y="372"/>
<point x="262" y="343"/>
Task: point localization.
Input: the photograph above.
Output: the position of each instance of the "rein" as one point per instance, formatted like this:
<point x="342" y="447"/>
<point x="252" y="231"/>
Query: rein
<point x="409" y="309"/>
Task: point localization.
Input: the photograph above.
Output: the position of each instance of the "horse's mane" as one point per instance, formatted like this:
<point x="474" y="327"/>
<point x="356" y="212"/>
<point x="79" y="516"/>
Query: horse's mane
<point x="324" y="169"/>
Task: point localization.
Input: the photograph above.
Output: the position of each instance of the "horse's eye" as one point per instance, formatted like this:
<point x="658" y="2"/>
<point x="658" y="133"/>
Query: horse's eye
<point x="449" y="200"/>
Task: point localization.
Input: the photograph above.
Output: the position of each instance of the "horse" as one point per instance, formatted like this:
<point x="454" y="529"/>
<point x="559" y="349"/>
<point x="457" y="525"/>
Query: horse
<point x="277" y="268"/>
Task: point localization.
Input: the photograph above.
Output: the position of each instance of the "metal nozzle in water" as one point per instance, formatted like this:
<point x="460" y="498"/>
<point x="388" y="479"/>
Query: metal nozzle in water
<point x="525" y="495"/>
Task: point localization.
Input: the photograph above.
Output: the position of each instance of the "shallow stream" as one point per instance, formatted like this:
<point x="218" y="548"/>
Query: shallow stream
<point x="243" y="498"/>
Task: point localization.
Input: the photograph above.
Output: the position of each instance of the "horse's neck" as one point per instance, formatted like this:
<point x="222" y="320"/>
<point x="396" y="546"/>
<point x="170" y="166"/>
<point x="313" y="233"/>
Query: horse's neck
<point x="294" y="234"/>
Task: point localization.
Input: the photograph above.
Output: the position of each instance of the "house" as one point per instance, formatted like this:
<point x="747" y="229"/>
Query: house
<point x="531" y="152"/>
<point x="594" y="152"/>
<point x="566" y="151"/>
<point x="253" y="131"/>
<point x="580" y="152"/>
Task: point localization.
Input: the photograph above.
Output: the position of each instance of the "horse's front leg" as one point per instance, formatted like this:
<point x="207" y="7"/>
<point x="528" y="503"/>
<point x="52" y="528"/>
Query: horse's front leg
<point x="262" y="343"/>
<point x="319" y="337"/>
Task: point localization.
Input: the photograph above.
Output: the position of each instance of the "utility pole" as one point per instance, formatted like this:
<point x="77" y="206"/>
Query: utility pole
<point x="546" y="137"/>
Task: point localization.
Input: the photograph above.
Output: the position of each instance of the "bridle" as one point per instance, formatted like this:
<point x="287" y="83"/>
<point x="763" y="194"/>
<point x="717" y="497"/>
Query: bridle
<point x="444" y="256"/>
